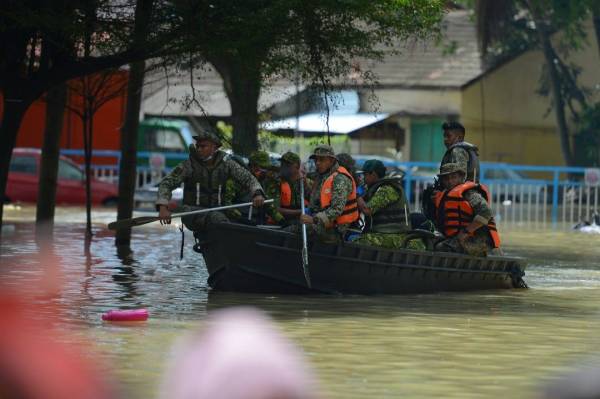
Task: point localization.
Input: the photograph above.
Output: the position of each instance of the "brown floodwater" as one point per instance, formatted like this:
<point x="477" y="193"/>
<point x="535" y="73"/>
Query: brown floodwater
<point x="451" y="345"/>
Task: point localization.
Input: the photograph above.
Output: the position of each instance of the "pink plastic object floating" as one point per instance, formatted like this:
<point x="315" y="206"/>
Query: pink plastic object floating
<point x="126" y="315"/>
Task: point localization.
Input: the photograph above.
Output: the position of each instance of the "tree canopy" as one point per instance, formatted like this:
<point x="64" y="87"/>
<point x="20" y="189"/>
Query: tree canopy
<point x="252" y="42"/>
<point x="510" y="27"/>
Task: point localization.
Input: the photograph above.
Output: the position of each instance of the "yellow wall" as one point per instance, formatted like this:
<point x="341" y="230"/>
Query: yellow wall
<point x="512" y="122"/>
<point x="417" y="101"/>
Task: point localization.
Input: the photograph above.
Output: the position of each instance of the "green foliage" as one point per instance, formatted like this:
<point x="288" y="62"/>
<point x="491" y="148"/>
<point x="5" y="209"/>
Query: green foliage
<point x="318" y="42"/>
<point x="269" y="141"/>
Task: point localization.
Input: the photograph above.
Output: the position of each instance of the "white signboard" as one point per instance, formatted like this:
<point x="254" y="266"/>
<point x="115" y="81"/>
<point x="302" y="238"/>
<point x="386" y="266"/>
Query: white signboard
<point x="592" y="177"/>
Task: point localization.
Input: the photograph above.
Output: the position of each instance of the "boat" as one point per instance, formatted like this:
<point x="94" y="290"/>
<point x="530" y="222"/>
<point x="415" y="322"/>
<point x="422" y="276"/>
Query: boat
<point x="245" y="258"/>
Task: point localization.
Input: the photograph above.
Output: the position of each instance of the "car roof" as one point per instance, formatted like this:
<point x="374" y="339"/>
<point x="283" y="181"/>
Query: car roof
<point x="27" y="151"/>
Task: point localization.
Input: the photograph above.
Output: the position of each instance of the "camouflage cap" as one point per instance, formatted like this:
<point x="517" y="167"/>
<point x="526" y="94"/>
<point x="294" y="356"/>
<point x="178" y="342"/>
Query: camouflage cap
<point x="260" y="159"/>
<point x="450" y="168"/>
<point x="208" y="135"/>
<point x="290" y="157"/>
<point x="323" y="150"/>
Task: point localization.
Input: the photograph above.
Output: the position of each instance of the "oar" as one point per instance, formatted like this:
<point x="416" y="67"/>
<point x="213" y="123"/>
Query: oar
<point x="126" y="223"/>
<point x="304" y="240"/>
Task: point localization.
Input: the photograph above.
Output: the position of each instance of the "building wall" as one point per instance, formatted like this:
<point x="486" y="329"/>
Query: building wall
<point x="509" y="121"/>
<point x="414" y="101"/>
<point x="107" y="122"/>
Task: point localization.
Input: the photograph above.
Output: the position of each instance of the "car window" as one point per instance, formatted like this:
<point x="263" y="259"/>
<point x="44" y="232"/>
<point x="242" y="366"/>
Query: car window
<point x="68" y="171"/>
<point x="164" y="141"/>
<point x="23" y="165"/>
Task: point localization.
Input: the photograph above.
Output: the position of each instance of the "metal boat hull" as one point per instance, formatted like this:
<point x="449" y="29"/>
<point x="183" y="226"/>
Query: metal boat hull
<point x="253" y="259"/>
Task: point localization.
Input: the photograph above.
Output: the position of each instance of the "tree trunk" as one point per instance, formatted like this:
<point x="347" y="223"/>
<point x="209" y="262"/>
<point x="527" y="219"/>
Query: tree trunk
<point x="555" y="86"/>
<point x="128" y="162"/>
<point x="596" y="18"/>
<point x="14" y="107"/>
<point x="88" y="121"/>
<point x="55" y="108"/>
<point x="242" y="84"/>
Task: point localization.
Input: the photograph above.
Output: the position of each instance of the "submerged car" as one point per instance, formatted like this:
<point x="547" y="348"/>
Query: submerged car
<point x="23" y="181"/>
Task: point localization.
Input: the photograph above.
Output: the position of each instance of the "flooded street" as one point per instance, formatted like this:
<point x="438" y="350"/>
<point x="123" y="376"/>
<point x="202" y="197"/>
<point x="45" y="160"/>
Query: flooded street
<point x="452" y="345"/>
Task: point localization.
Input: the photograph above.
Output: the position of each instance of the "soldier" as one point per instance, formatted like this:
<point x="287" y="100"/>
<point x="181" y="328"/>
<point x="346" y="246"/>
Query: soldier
<point x="204" y="176"/>
<point x="386" y="209"/>
<point x="261" y="167"/>
<point x="459" y="151"/>
<point x="288" y="200"/>
<point x="463" y="215"/>
<point x="236" y="194"/>
<point x="333" y="198"/>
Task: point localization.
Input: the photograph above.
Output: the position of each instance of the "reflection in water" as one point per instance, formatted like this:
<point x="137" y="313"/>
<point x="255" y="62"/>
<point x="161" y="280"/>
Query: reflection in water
<point x="478" y="344"/>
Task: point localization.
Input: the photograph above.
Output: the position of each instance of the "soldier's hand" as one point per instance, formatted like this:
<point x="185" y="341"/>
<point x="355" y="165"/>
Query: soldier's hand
<point x="305" y="219"/>
<point x="258" y="201"/>
<point x="362" y="205"/>
<point x="164" y="214"/>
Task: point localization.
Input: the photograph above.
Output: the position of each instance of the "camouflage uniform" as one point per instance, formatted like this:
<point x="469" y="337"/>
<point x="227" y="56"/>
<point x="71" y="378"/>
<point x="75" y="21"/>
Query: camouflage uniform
<point x="342" y="188"/>
<point x="235" y="194"/>
<point x="295" y="200"/>
<point x="466" y="155"/>
<point x="388" y="224"/>
<point x="480" y="244"/>
<point x="270" y="183"/>
<point x="205" y="186"/>
<point x="381" y="199"/>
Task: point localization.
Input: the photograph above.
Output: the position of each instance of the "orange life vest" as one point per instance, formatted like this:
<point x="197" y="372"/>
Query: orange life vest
<point x="285" y="195"/>
<point x="454" y="213"/>
<point x="350" y="213"/>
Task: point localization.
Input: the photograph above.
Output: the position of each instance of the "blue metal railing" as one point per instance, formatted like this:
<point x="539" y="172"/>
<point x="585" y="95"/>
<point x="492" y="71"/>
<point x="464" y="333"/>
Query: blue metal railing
<point x="422" y="172"/>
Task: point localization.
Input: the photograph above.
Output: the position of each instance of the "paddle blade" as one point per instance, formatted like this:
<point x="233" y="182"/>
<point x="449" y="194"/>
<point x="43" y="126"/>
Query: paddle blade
<point x="305" y="266"/>
<point x="126" y="223"/>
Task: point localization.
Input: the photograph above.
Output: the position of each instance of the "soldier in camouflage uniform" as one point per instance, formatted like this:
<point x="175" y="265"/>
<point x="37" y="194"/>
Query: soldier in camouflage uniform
<point x="236" y="194"/>
<point x="335" y="185"/>
<point x="459" y="151"/>
<point x="470" y="231"/>
<point x="204" y="176"/>
<point x="267" y="175"/>
<point x="288" y="199"/>
<point x="386" y="210"/>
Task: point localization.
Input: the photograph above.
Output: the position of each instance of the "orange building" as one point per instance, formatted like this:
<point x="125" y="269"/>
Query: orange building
<point x="107" y="120"/>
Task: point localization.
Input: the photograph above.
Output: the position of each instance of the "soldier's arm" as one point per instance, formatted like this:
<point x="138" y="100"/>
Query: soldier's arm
<point x="342" y="187"/>
<point x="384" y="196"/>
<point x="170" y="182"/>
<point x="482" y="213"/>
<point x="244" y="178"/>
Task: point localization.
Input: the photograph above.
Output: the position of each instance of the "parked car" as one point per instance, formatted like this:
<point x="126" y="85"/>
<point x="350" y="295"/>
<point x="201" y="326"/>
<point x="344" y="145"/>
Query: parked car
<point x="23" y="181"/>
